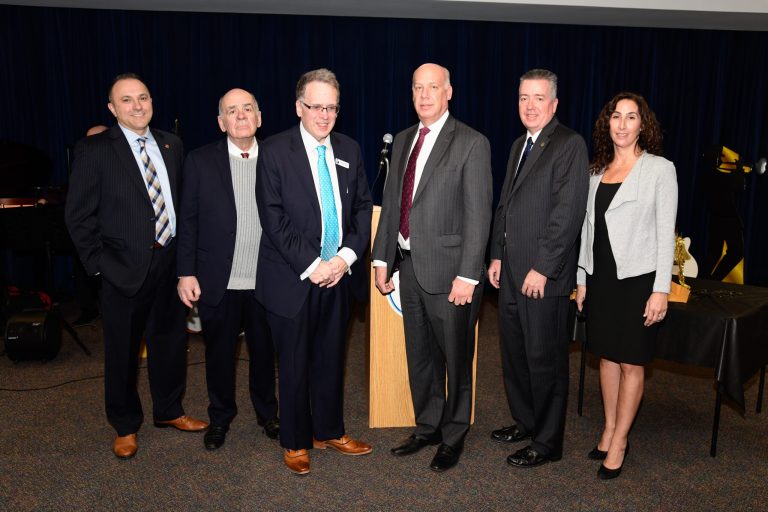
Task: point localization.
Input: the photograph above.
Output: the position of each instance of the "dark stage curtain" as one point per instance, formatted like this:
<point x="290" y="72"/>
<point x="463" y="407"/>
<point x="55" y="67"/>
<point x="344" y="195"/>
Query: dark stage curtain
<point x="707" y="87"/>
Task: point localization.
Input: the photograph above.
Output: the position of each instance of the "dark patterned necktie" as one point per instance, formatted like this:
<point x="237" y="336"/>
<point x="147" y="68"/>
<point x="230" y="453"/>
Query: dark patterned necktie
<point x="408" y="181"/>
<point x="526" y="151"/>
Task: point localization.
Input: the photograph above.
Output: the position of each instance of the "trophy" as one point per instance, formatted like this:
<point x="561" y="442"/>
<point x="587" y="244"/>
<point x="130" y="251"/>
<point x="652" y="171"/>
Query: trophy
<point x="680" y="292"/>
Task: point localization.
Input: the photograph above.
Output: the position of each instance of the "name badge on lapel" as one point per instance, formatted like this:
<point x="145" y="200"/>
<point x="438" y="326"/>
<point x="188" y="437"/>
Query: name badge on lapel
<point x="342" y="163"/>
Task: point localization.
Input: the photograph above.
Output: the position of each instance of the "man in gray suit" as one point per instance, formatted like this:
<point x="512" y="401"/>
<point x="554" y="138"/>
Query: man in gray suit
<point x="533" y="263"/>
<point x="434" y="224"/>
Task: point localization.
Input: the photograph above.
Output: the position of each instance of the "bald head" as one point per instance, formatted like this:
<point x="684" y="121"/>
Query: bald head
<point x="431" y="89"/>
<point x="239" y="117"/>
<point x="95" y="130"/>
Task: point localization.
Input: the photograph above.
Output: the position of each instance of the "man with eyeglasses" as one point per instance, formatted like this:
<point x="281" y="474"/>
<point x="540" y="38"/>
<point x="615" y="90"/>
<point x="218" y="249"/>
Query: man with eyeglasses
<point x="219" y="234"/>
<point x="315" y="210"/>
<point x="434" y="225"/>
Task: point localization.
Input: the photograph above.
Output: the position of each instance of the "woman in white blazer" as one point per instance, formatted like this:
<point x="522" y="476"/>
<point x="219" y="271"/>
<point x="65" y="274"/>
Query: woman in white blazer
<point x="625" y="261"/>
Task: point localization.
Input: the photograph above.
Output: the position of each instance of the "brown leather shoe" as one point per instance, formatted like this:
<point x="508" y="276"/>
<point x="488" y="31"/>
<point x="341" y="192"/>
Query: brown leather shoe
<point x="297" y="461"/>
<point x="345" y="445"/>
<point x="185" y="423"/>
<point x="125" y="447"/>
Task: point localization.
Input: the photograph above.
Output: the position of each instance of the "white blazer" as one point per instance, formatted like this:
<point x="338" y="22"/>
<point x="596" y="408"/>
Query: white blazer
<point x="640" y="220"/>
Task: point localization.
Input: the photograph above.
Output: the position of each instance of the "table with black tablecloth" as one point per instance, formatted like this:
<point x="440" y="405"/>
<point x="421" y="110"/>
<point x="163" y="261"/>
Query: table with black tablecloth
<point x="722" y="326"/>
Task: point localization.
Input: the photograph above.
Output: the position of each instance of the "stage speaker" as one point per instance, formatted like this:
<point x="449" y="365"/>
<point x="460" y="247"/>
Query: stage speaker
<point x="32" y="335"/>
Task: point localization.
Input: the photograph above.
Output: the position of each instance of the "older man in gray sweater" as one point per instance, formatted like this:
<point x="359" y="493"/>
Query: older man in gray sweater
<point x="219" y="235"/>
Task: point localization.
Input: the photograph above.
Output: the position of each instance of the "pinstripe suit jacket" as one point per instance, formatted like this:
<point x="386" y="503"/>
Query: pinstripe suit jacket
<point x="539" y="216"/>
<point x="451" y="213"/>
<point x="108" y="211"/>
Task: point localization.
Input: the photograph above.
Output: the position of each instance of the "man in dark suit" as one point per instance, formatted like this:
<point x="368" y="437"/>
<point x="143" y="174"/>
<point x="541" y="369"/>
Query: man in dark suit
<point x="533" y="263"/>
<point x="120" y="214"/>
<point x="219" y="234"/>
<point x="315" y="210"/>
<point x="434" y="223"/>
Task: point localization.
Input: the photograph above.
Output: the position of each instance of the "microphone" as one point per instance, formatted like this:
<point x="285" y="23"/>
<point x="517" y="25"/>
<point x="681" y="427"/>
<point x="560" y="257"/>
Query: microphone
<point x="385" y="150"/>
<point x="383" y="160"/>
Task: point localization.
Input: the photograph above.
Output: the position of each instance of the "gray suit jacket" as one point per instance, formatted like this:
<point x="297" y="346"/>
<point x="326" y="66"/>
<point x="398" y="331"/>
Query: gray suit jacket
<point x="451" y="212"/>
<point x="539" y="215"/>
<point x="640" y="220"/>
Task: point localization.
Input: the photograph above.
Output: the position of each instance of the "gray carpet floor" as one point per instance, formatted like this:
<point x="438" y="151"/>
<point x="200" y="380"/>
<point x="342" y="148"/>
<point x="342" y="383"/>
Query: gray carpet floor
<point x="55" y="447"/>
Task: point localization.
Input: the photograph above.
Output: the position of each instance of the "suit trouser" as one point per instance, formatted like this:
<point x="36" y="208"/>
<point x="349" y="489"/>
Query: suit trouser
<point x="534" y="358"/>
<point x="310" y="353"/>
<point x="222" y="323"/>
<point x="439" y="340"/>
<point x="157" y="314"/>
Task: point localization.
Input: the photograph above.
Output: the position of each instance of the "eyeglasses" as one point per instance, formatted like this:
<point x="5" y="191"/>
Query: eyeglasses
<point x="331" y="109"/>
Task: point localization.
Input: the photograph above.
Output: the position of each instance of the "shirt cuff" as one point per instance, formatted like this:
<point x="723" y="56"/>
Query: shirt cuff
<point x="349" y="257"/>
<point x="468" y="280"/>
<point x="311" y="268"/>
<point x="379" y="263"/>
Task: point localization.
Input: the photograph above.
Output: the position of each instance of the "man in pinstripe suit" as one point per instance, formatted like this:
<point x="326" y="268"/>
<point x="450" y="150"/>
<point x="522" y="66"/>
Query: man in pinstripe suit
<point x="533" y="263"/>
<point x="434" y="223"/>
<point x="120" y="214"/>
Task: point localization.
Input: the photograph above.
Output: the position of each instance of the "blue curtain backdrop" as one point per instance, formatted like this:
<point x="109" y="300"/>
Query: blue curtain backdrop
<point x="707" y="87"/>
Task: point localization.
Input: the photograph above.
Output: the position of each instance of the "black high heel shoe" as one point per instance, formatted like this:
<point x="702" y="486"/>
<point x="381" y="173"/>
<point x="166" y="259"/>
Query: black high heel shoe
<point x="597" y="454"/>
<point x="608" y="474"/>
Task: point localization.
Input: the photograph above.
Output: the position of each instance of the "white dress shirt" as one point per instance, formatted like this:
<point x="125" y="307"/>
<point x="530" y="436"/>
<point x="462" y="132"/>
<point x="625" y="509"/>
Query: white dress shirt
<point x="153" y="150"/>
<point x="310" y="145"/>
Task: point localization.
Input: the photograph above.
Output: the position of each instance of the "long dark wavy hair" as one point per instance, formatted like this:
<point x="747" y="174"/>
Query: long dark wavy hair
<point x="650" y="140"/>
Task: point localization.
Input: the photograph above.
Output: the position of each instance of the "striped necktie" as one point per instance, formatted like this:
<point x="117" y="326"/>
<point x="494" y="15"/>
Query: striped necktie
<point x="162" y="222"/>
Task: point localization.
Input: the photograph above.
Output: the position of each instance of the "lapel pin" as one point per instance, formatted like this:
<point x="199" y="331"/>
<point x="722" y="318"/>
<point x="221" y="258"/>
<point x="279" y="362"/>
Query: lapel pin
<point x="543" y="144"/>
<point x="167" y="146"/>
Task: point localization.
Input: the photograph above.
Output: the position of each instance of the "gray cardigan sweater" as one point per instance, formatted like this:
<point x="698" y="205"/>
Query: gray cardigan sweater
<point x="640" y="220"/>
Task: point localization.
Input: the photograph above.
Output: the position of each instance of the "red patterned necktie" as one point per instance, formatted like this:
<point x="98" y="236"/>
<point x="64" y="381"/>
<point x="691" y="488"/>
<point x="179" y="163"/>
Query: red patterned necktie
<point x="244" y="155"/>
<point x="408" y="181"/>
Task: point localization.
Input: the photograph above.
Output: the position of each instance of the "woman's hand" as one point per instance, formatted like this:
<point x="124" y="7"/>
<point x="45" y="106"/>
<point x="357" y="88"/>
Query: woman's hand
<point x="655" y="308"/>
<point x="581" y="294"/>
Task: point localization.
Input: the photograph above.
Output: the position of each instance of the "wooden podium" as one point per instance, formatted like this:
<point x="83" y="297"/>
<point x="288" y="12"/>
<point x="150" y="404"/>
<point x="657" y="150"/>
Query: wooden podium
<point x="390" y="394"/>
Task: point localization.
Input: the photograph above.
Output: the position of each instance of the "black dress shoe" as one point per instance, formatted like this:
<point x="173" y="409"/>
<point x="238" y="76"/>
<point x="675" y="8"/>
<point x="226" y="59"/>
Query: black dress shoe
<point x="272" y="428"/>
<point x="597" y="454"/>
<point x="529" y="458"/>
<point x="446" y="457"/>
<point x="415" y="443"/>
<point x="510" y="434"/>
<point x="215" y="437"/>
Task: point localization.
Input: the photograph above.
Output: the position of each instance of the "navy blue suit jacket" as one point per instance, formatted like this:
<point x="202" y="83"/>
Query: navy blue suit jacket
<point x="291" y="219"/>
<point x="207" y="222"/>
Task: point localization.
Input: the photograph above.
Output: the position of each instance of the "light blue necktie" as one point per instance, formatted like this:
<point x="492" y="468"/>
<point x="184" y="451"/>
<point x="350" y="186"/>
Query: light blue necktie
<point x="328" y="205"/>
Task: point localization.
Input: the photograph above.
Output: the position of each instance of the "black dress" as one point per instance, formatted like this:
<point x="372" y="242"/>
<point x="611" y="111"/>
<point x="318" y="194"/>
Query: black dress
<point x="614" y="306"/>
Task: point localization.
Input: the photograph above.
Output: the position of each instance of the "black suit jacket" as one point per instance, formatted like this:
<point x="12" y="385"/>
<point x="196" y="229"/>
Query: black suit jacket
<point x="108" y="211"/>
<point x="291" y="218"/>
<point x="207" y="222"/>
<point x="541" y="212"/>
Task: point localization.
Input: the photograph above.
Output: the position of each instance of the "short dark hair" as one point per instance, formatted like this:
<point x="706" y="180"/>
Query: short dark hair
<point x="542" y="74"/>
<point x="123" y="76"/>
<point x="317" y="75"/>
